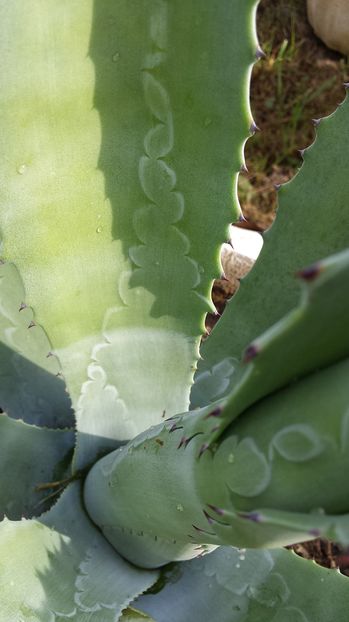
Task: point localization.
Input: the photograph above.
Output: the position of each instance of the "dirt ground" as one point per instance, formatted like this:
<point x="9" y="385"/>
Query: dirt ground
<point x="299" y="79"/>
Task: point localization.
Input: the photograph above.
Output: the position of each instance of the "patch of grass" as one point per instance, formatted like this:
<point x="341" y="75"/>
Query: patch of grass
<point x="298" y="80"/>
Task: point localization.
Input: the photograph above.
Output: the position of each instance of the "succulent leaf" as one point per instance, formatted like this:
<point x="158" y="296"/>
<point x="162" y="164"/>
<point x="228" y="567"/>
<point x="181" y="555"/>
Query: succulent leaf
<point x="59" y="567"/>
<point x="124" y="152"/>
<point x="239" y="585"/>
<point x="30" y="456"/>
<point x="239" y="491"/>
<point x="31" y="386"/>
<point x="312" y="222"/>
<point x="164" y="290"/>
<point x="123" y="131"/>
<point x="311" y="336"/>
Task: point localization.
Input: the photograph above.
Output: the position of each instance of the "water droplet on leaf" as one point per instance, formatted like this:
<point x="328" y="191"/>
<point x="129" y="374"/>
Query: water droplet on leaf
<point x="22" y="169"/>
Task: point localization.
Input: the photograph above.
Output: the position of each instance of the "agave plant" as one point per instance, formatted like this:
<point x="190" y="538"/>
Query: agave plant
<point x="145" y="476"/>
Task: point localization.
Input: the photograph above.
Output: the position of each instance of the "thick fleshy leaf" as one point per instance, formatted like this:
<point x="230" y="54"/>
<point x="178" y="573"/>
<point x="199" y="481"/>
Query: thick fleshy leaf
<point x="123" y="132"/>
<point x="31" y="386"/>
<point x="312" y="222"/>
<point x="60" y="568"/>
<point x="240" y="491"/>
<point x="30" y="456"/>
<point x="232" y="585"/>
<point x="311" y="336"/>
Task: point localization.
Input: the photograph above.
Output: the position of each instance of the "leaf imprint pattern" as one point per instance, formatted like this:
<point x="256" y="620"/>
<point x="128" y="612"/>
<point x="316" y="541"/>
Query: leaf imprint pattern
<point x="163" y="244"/>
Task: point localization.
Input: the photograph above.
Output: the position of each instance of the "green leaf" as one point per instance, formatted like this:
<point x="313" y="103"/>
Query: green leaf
<point x="301" y="434"/>
<point x="232" y="585"/>
<point x="239" y="491"/>
<point x="311" y="336"/>
<point x="312" y="222"/>
<point x="119" y="150"/>
<point x="31" y="386"/>
<point x="30" y="456"/>
<point x="59" y="568"/>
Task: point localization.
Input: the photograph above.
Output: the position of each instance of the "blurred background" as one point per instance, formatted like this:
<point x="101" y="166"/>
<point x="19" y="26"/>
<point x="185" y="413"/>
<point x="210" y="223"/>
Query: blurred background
<point x="300" y="79"/>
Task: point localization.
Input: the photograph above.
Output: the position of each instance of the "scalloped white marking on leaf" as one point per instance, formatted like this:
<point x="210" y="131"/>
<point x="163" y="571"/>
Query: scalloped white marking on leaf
<point x="272" y="593"/>
<point x="156" y="98"/>
<point x="213" y="383"/>
<point x="257" y="567"/>
<point x="297" y="443"/>
<point x="245" y="467"/>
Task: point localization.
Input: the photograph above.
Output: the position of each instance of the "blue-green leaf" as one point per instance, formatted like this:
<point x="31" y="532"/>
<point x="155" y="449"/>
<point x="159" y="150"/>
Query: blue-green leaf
<point x="59" y="567"/>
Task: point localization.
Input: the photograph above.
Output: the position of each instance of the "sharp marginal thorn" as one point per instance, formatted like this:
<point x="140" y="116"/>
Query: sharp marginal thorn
<point x="203" y="448"/>
<point x="315" y="532"/>
<point x="346" y="85"/>
<point x="170" y="418"/>
<point x="214" y="413"/>
<point x="311" y="272"/>
<point x="277" y="187"/>
<point x="22" y="306"/>
<point x="242" y="218"/>
<point x="250" y="353"/>
<point x="175" y="427"/>
<point x="254" y="128"/>
<point x="301" y="152"/>
<point x="32" y="323"/>
<point x="214" y="508"/>
<point x="181" y="442"/>
<point x="49" y="355"/>
<point x="316" y="122"/>
<point x="260" y="54"/>
<point x="255" y="517"/>
<point x="186" y="440"/>
<point x="208" y="517"/>
<point x="243" y="168"/>
<point x="202" y="530"/>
